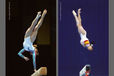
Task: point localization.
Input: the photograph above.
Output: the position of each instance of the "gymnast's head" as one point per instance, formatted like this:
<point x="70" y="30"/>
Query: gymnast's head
<point x="89" y="45"/>
<point x="90" y="48"/>
<point x="36" y="50"/>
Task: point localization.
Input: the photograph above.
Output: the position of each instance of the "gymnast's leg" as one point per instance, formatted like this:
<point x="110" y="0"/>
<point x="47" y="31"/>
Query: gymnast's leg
<point x="79" y="16"/>
<point x="76" y="18"/>
<point x="31" y="28"/>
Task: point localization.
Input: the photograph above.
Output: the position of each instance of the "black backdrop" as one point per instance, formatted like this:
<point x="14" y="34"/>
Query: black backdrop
<point x="22" y="12"/>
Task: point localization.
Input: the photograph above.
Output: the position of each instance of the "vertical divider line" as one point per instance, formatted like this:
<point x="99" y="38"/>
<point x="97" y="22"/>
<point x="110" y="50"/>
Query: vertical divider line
<point x="57" y="37"/>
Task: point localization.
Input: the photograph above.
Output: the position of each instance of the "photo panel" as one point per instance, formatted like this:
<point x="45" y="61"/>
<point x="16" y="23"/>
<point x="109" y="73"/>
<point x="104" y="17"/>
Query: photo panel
<point x="30" y="22"/>
<point x="86" y="26"/>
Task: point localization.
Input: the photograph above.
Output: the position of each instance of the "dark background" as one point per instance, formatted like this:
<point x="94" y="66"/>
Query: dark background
<point x="72" y="56"/>
<point x="22" y="13"/>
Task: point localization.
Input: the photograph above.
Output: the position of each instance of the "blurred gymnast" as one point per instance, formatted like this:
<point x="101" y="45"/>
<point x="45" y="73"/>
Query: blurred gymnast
<point x="30" y="37"/>
<point x="84" y="40"/>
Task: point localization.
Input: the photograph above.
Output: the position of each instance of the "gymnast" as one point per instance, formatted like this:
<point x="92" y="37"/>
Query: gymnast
<point x="30" y="37"/>
<point x="84" y="40"/>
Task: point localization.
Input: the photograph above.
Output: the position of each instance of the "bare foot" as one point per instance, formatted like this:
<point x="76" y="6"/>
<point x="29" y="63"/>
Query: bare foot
<point x="74" y="13"/>
<point x="39" y="13"/>
<point x="79" y="10"/>
<point x="45" y="12"/>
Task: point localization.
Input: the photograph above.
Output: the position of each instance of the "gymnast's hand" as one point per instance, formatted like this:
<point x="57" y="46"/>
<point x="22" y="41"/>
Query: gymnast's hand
<point x="34" y="70"/>
<point x="26" y="58"/>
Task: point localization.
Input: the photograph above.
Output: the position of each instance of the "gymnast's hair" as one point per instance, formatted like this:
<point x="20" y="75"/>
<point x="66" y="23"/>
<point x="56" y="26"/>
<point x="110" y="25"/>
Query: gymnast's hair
<point x="91" y="43"/>
<point x="35" y="45"/>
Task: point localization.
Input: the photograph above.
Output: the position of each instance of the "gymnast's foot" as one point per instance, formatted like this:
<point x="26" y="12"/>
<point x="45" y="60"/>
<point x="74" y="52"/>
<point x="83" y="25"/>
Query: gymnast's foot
<point x="44" y="12"/>
<point x="79" y="10"/>
<point x="39" y="14"/>
<point x="74" y="13"/>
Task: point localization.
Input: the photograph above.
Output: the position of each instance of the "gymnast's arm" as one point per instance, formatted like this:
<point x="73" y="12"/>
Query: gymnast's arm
<point x="20" y="53"/>
<point x="22" y="56"/>
<point x="34" y="60"/>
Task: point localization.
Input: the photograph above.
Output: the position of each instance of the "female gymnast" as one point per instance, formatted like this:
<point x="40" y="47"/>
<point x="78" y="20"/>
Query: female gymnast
<point x="84" y="40"/>
<point x="85" y="70"/>
<point x="30" y="37"/>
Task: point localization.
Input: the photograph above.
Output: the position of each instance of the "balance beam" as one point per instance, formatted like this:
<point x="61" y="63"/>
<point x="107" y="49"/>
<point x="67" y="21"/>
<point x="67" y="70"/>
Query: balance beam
<point x="41" y="71"/>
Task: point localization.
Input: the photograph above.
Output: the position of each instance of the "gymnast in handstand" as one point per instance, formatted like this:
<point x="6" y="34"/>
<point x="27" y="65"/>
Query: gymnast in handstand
<point x="30" y="37"/>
